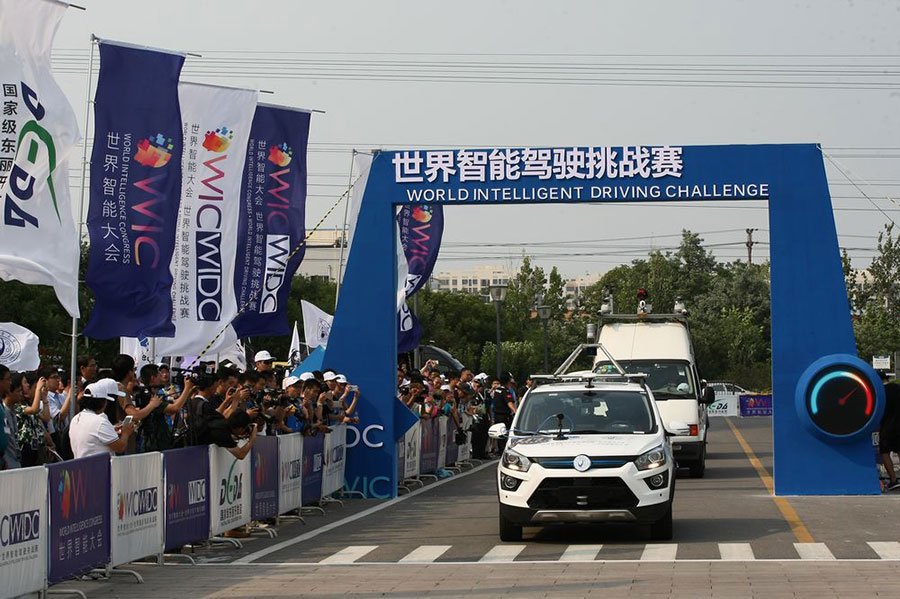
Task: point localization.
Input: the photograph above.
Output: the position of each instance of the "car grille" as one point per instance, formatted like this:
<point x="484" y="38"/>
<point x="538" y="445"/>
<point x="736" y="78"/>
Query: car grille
<point x="604" y="462"/>
<point x="582" y="494"/>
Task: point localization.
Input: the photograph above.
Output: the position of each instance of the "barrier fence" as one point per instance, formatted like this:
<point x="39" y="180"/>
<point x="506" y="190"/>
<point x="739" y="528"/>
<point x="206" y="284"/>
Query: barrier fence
<point x="62" y="520"/>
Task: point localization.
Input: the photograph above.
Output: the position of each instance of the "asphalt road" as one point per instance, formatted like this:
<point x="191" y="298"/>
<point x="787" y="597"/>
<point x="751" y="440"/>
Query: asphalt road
<point x="732" y="537"/>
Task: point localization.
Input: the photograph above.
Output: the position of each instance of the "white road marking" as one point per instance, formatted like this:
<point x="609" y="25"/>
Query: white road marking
<point x="425" y="553"/>
<point x="580" y="553"/>
<point x="502" y="553"/>
<point x="813" y="551"/>
<point x="736" y="552"/>
<point x="372" y="510"/>
<point x="348" y="555"/>
<point x="886" y="549"/>
<point x="657" y="553"/>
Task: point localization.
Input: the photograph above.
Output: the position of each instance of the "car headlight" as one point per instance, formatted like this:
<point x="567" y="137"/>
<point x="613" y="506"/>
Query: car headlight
<point x="654" y="458"/>
<point x="515" y="461"/>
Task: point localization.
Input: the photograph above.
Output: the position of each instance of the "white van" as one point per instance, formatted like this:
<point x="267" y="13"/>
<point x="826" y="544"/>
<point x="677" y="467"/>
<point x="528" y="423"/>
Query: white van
<point x="660" y="346"/>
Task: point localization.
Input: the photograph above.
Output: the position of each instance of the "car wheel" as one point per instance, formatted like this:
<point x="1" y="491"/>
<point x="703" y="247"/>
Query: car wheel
<point x="661" y="530"/>
<point x="508" y="531"/>
<point x="698" y="468"/>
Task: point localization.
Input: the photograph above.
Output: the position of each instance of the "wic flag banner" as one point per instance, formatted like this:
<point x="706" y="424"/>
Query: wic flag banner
<point x="421" y="230"/>
<point x="135" y="192"/>
<point x="38" y="129"/>
<point x="272" y="221"/>
<point x="216" y="132"/>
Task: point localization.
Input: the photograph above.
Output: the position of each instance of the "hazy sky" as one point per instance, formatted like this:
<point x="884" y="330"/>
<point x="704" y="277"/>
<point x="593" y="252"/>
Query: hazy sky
<point x="524" y="73"/>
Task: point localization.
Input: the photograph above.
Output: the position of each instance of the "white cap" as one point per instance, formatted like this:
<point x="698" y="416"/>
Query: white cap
<point x="481" y="376"/>
<point x="446" y="388"/>
<point x="305" y="376"/>
<point x="106" y="388"/>
<point x="263" y="356"/>
<point x="289" y="380"/>
<point x="330" y="376"/>
<point x="341" y="378"/>
<point x="683" y="388"/>
<point x="405" y="383"/>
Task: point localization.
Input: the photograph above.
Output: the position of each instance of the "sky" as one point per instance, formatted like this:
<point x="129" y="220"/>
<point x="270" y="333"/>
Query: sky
<point x="415" y="74"/>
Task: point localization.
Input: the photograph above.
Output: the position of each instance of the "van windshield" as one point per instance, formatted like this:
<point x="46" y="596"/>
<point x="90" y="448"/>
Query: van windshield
<point x="668" y="379"/>
<point x="587" y="412"/>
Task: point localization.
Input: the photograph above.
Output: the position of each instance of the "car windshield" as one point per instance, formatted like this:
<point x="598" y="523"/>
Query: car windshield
<point x="667" y="379"/>
<point x="586" y="411"/>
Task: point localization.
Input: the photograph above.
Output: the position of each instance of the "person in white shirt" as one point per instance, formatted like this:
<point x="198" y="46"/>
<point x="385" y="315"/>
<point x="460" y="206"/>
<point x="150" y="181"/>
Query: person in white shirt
<point x="91" y="433"/>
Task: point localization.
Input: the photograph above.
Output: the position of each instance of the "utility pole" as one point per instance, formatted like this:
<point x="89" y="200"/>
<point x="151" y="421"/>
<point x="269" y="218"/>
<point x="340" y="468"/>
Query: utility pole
<point x="750" y="244"/>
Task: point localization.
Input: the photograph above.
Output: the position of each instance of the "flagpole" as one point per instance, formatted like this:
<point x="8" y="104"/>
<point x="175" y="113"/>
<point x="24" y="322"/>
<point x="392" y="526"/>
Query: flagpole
<point x="340" y="275"/>
<point x="73" y="363"/>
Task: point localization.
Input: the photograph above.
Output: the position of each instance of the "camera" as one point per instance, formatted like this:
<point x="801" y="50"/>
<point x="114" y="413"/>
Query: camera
<point x="203" y="375"/>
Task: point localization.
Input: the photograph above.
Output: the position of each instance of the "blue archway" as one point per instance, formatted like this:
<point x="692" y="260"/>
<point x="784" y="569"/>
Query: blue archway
<point x="812" y="332"/>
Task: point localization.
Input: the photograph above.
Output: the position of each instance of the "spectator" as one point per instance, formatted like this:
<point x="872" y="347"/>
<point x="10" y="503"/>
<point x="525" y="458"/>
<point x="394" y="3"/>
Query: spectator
<point x="226" y="432"/>
<point x="26" y="399"/>
<point x="87" y="370"/>
<point x="91" y="432"/>
<point x="263" y="361"/>
<point x="11" y="456"/>
<point x="155" y="432"/>
<point x="889" y="431"/>
<point x="345" y="412"/>
<point x="58" y="403"/>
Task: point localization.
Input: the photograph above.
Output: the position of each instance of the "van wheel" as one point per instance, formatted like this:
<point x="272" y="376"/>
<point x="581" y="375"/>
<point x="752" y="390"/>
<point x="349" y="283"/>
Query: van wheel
<point x="661" y="530"/>
<point x="698" y="468"/>
<point x="508" y="531"/>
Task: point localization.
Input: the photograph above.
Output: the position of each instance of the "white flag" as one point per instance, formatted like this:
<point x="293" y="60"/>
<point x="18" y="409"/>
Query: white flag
<point x="362" y="164"/>
<point x="139" y="349"/>
<point x="235" y="354"/>
<point x="217" y="129"/>
<point x="18" y="348"/>
<point x="294" y="353"/>
<point x="38" y="240"/>
<point x="316" y="325"/>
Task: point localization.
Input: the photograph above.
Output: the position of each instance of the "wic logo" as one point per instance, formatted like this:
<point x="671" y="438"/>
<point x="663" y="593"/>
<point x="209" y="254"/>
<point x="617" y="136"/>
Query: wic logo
<point x="280" y="155"/>
<point x="155" y="151"/>
<point x="72" y="493"/>
<point x="218" y="140"/>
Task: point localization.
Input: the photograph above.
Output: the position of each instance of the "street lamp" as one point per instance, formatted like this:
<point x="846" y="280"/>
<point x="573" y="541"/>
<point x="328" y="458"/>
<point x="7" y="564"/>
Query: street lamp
<point x="498" y="296"/>
<point x="544" y="315"/>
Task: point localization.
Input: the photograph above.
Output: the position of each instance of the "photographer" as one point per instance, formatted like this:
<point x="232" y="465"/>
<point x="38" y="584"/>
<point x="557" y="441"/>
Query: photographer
<point x="155" y="434"/>
<point x="200" y="409"/>
<point x="341" y="411"/>
<point x="226" y="432"/>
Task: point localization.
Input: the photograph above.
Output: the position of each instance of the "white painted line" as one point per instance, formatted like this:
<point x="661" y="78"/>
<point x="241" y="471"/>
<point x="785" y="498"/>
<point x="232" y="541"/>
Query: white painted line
<point x="372" y="510"/>
<point x="581" y="553"/>
<point x="741" y="552"/>
<point x="502" y="553"/>
<point x="886" y="549"/>
<point x="813" y="551"/>
<point x="348" y="555"/>
<point x="659" y="553"/>
<point x="425" y="554"/>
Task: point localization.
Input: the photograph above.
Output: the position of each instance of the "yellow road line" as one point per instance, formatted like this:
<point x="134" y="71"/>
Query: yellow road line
<point x="801" y="533"/>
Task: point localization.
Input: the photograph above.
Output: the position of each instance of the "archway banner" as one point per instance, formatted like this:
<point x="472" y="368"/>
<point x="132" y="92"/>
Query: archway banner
<point x="810" y="318"/>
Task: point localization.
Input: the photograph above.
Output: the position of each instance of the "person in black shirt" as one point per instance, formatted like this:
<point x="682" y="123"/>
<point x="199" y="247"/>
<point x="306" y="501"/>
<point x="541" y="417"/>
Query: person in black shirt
<point x="226" y="432"/>
<point x="889" y="432"/>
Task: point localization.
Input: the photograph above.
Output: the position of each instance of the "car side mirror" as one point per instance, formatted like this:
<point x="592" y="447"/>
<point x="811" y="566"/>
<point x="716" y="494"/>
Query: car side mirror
<point x="498" y="431"/>
<point x="677" y="428"/>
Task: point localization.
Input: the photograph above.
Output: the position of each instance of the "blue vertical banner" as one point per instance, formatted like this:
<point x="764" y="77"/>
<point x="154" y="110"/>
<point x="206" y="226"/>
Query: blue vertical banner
<point x="264" y="484"/>
<point x="187" y="495"/>
<point x="272" y="221"/>
<point x="135" y="192"/>
<point x="313" y="466"/>
<point x="421" y="230"/>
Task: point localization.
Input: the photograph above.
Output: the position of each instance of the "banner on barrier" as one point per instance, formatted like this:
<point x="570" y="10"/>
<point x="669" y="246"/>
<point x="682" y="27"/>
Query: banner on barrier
<point x="442" y="442"/>
<point x="412" y="441"/>
<point x="726" y="404"/>
<point x="335" y="450"/>
<point x="264" y="487"/>
<point x="79" y="516"/>
<point x="756" y="405"/>
<point x="290" y="457"/>
<point x="428" y="456"/>
<point x="23" y="531"/>
<point x="313" y="464"/>
<point x="464" y="450"/>
<point x="231" y="481"/>
<point x="187" y="496"/>
<point x="452" y="447"/>
<point x="137" y="523"/>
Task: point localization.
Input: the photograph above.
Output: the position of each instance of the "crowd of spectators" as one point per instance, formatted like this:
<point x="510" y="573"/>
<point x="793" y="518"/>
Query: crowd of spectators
<point x="429" y="393"/>
<point x="48" y="416"/>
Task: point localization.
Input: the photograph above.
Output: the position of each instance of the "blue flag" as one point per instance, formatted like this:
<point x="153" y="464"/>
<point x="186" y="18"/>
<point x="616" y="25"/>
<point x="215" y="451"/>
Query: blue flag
<point x="135" y="192"/>
<point x="421" y="229"/>
<point x="273" y="220"/>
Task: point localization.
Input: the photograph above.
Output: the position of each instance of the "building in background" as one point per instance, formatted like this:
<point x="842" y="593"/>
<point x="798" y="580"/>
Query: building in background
<point x="472" y="280"/>
<point x="323" y="255"/>
<point x="575" y="288"/>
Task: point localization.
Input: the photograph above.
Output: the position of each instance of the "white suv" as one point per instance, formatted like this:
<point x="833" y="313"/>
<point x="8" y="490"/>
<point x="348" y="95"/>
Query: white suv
<point x="586" y="449"/>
